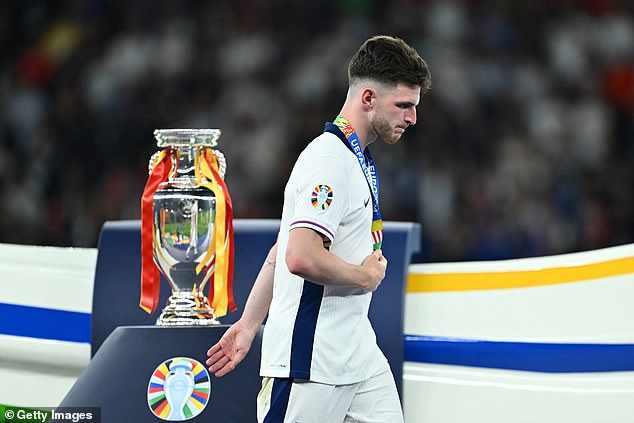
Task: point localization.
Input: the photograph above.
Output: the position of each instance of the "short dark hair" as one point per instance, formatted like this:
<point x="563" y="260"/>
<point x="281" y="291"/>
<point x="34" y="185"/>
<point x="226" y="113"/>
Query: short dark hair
<point x="389" y="60"/>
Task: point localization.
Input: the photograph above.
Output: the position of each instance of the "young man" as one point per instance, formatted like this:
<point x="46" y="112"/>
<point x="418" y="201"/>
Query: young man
<point x="320" y="360"/>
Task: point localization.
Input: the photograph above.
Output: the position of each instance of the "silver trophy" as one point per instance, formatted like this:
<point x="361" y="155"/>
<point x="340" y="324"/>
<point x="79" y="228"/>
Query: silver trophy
<point x="183" y="226"/>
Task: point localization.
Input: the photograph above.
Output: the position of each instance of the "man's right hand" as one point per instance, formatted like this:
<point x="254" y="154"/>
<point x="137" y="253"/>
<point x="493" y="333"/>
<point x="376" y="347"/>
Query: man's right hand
<point x="227" y="353"/>
<point x="375" y="264"/>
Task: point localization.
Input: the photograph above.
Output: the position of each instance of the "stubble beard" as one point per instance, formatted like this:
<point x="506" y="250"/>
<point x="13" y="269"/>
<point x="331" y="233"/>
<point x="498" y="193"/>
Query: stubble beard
<point x="384" y="130"/>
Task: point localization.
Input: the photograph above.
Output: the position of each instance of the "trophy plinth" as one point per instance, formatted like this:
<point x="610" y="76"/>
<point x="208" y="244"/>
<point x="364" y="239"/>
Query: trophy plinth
<point x="184" y="217"/>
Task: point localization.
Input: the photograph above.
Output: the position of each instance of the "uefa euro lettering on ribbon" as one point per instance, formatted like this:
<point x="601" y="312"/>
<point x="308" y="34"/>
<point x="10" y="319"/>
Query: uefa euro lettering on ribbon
<point x="187" y="229"/>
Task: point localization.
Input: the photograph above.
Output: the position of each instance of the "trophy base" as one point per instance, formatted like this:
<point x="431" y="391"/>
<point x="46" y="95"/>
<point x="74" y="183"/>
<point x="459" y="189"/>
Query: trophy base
<point x="175" y="320"/>
<point x="183" y="309"/>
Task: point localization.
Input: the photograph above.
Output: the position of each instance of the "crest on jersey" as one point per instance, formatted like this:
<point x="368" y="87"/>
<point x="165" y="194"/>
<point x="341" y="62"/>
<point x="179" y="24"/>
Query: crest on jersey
<point x="321" y="197"/>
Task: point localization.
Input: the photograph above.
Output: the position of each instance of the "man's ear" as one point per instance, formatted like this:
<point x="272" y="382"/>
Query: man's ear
<point x="368" y="98"/>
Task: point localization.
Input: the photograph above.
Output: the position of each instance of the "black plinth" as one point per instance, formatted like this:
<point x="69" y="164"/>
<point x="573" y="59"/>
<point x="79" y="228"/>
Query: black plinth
<point x="116" y="380"/>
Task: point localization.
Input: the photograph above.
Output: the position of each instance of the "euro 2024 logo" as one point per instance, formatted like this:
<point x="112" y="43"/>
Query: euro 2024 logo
<point x="321" y="197"/>
<point x="179" y="389"/>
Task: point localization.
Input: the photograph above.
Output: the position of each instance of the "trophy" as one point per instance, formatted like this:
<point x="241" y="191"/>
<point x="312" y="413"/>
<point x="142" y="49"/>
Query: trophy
<point x="187" y="229"/>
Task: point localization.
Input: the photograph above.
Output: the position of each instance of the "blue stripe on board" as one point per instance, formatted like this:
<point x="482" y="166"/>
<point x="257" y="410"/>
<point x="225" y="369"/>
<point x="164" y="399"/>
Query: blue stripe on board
<point x="536" y="357"/>
<point x="304" y="330"/>
<point x="35" y="322"/>
<point x="45" y="323"/>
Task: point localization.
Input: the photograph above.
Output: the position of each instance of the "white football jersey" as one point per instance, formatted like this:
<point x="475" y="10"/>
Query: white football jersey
<point x="315" y="332"/>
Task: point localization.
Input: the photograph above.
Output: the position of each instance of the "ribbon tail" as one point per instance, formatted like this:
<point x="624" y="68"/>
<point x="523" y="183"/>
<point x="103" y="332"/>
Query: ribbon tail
<point x="219" y="303"/>
<point x="232" y="302"/>
<point x="229" y="245"/>
<point x="223" y="272"/>
<point x="216" y="251"/>
<point x="150" y="280"/>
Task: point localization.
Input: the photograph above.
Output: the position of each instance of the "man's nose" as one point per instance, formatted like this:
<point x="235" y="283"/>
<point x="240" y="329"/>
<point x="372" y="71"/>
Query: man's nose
<point x="410" y="117"/>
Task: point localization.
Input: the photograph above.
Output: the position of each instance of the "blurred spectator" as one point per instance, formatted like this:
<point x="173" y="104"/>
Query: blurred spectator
<point x="524" y="146"/>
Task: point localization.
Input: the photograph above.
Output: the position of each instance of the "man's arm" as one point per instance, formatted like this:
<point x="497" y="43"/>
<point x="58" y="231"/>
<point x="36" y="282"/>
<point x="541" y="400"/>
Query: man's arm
<point x="307" y="258"/>
<point x="225" y="355"/>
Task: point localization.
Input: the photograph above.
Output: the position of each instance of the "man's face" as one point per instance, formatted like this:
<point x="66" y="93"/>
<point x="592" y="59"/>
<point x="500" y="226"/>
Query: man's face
<point x="395" y="111"/>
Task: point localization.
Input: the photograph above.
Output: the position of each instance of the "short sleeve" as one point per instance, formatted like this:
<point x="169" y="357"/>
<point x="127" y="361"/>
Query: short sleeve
<point x="321" y="195"/>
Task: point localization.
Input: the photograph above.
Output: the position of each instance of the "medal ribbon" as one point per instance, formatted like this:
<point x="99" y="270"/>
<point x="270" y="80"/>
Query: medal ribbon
<point x="369" y="170"/>
<point x="150" y="281"/>
<point x="218" y="260"/>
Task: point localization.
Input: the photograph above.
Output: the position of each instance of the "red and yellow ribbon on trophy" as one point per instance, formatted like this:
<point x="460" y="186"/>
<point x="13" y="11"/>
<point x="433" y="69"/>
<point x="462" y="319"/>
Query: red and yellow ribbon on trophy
<point x="217" y="262"/>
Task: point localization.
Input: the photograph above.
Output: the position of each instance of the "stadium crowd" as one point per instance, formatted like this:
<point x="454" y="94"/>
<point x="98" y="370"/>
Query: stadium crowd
<point x="523" y="147"/>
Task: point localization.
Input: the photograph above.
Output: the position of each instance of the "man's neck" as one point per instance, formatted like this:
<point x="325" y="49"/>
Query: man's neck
<point x="359" y="124"/>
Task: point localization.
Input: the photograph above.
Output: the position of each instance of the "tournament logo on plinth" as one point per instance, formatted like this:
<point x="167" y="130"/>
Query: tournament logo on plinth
<point x="179" y="389"/>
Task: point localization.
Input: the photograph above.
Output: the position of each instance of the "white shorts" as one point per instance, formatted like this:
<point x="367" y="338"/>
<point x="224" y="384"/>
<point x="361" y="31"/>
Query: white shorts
<point x="297" y="401"/>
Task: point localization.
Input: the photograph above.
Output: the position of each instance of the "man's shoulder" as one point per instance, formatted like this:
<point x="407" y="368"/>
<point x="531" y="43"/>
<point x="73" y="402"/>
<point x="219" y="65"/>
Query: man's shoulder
<point x="326" y="144"/>
<point x="325" y="139"/>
